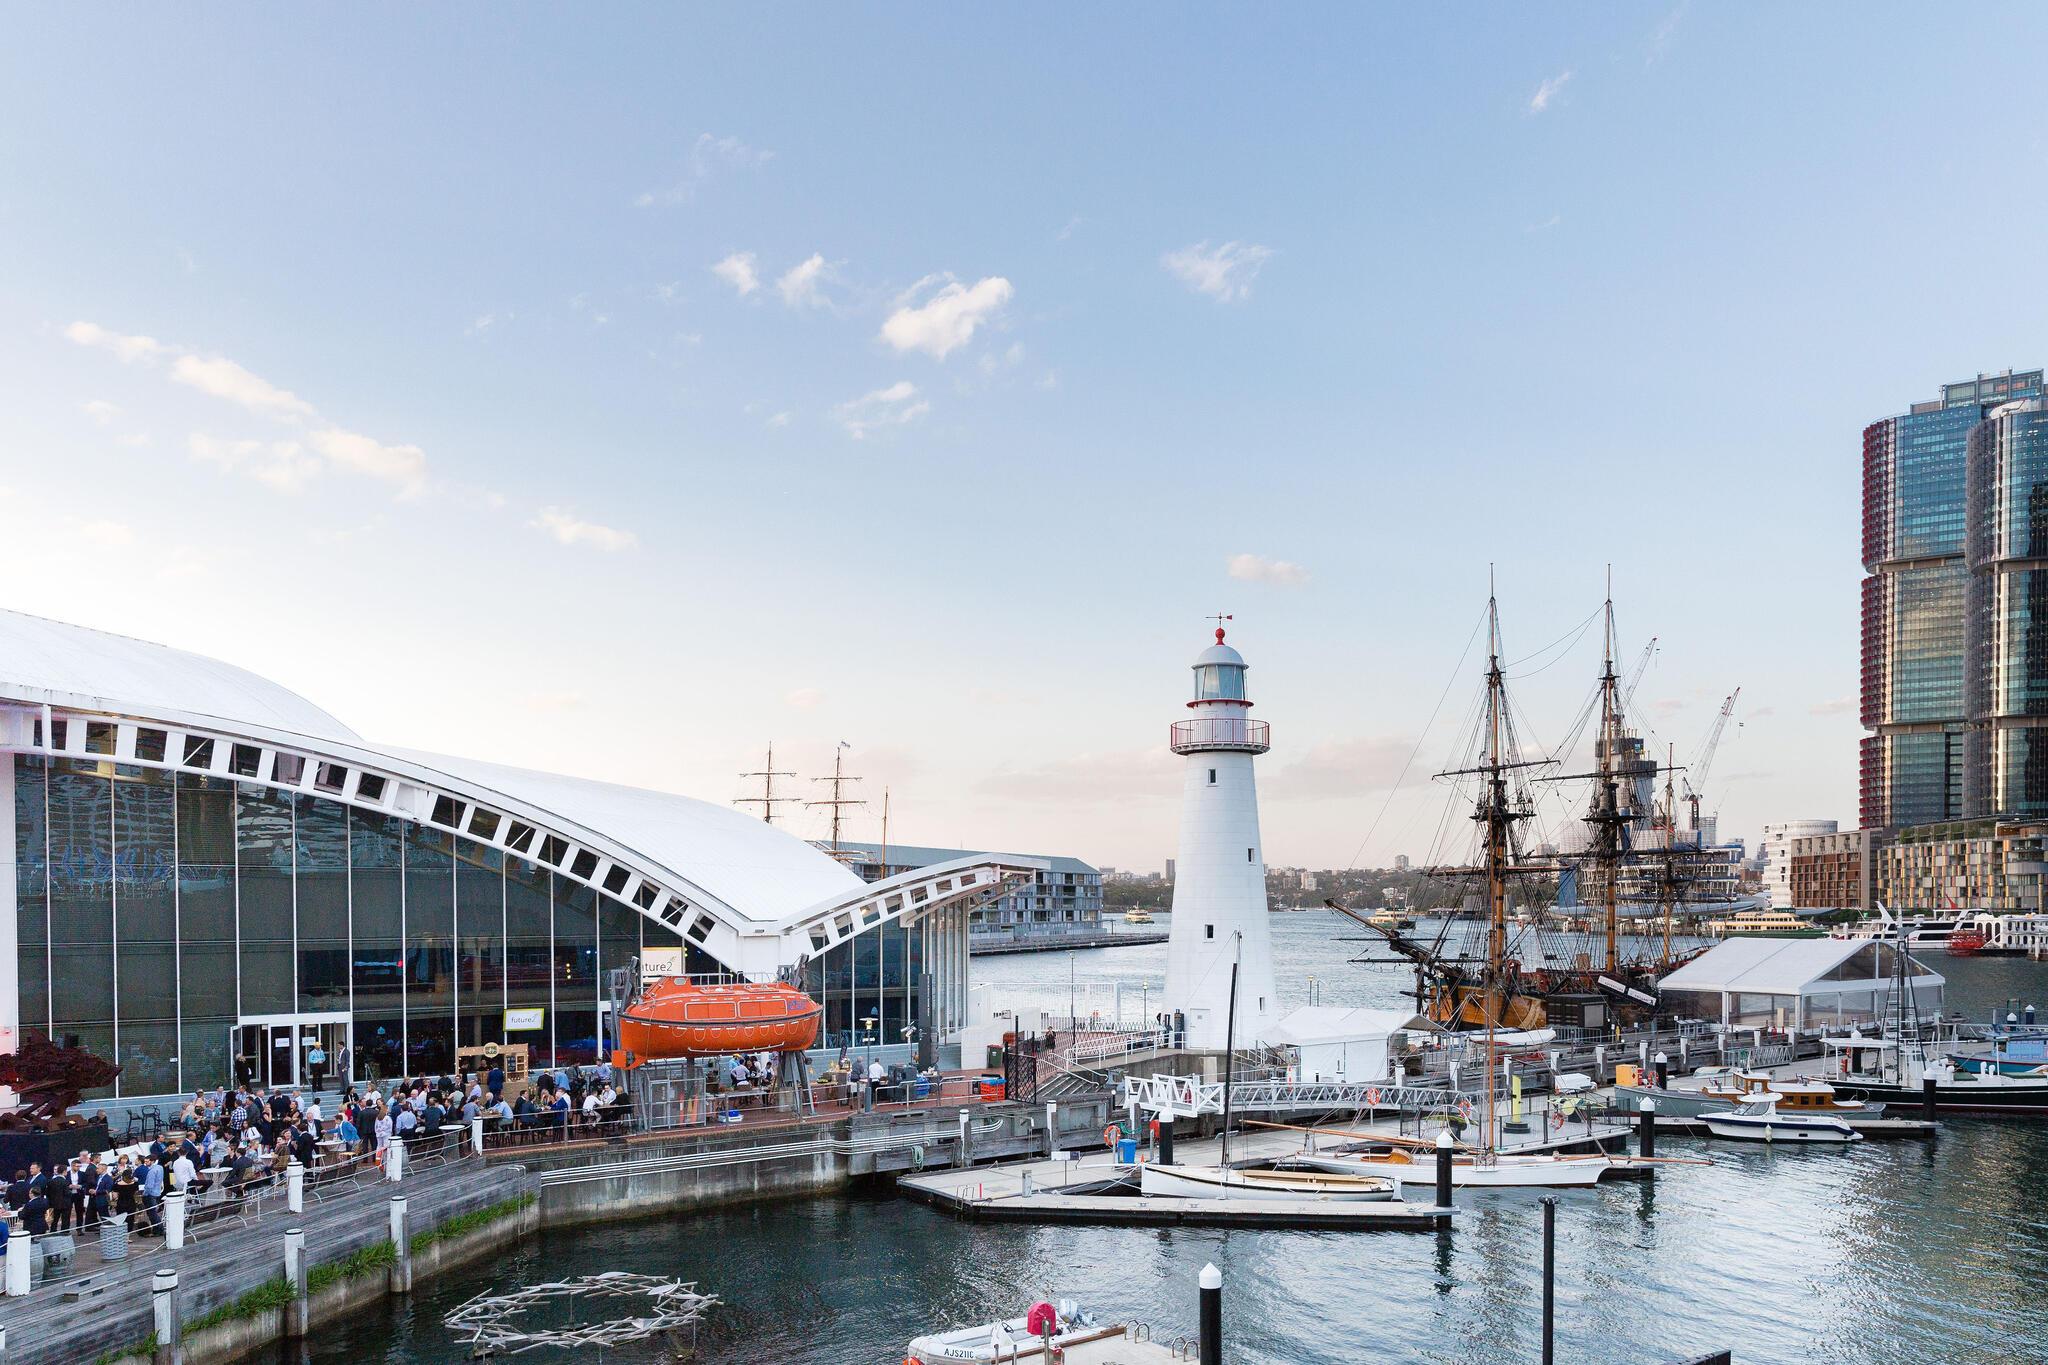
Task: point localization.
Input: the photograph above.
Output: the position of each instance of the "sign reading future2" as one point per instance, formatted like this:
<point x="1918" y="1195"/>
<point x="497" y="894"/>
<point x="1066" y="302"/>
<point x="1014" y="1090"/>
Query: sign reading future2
<point x="526" y="1020"/>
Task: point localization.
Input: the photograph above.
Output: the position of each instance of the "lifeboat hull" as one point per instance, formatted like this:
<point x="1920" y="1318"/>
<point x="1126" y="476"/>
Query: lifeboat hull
<point x="677" y="1018"/>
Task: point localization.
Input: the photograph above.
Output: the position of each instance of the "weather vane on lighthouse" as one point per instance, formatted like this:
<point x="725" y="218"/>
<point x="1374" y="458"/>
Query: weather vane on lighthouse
<point x="1219" y="618"/>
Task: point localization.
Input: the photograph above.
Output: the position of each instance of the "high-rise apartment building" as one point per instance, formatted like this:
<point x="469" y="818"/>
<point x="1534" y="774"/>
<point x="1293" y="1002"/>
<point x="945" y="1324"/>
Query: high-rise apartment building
<point x="1917" y="626"/>
<point x="2005" y="664"/>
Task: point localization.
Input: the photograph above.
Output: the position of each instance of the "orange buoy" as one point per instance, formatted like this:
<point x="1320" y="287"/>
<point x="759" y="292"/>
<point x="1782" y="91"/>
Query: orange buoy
<point x="675" y="1017"/>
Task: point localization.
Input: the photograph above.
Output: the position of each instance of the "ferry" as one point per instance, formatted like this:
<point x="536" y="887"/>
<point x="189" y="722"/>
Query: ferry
<point x="1137" y="916"/>
<point x="1774" y="923"/>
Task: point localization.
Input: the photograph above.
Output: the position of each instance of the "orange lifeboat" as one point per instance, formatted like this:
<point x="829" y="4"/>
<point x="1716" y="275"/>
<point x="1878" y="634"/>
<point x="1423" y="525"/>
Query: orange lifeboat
<point x="675" y="1017"/>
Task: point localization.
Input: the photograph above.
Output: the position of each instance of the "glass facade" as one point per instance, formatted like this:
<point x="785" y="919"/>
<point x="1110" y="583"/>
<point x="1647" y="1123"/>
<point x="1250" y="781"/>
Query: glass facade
<point x="2007" y="666"/>
<point x="157" y="911"/>
<point x="1923" y="516"/>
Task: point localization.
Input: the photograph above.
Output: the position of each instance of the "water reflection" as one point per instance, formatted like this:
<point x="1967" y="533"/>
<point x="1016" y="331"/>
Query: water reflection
<point x="1885" y="1253"/>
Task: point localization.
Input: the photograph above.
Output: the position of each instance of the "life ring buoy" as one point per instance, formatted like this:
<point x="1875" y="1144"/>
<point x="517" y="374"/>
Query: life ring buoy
<point x="1112" y="1135"/>
<point x="1465" y="1110"/>
<point x="1372" y="1096"/>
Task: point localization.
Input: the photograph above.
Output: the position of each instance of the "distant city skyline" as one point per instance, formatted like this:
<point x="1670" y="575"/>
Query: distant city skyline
<point x="618" y="392"/>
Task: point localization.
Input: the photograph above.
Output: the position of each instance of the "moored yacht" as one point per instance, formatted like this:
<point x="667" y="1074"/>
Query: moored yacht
<point x="1758" y="1120"/>
<point x="1224" y="1182"/>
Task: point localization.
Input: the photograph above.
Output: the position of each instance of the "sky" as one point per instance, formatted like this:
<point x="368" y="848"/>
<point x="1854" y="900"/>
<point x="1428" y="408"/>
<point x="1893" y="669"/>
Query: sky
<point x="618" y="391"/>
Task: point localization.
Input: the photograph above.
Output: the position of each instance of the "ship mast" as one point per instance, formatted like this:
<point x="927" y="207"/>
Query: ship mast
<point x="767" y="800"/>
<point x="838" y="801"/>
<point x="1605" y="815"/>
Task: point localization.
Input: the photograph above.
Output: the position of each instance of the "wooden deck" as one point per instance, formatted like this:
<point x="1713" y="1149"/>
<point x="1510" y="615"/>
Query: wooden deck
<point x="1081" y="1191"/>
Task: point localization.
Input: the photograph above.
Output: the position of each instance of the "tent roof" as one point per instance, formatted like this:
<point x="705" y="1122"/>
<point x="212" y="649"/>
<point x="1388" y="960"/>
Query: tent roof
<point x="1336" y="1024"/>
<point x="1783" y="966"/>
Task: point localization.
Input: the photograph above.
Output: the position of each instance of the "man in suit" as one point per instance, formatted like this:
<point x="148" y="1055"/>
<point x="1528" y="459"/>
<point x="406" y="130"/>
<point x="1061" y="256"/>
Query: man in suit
<point x="35" y="1215"/>
<point x="102" y="1192"/>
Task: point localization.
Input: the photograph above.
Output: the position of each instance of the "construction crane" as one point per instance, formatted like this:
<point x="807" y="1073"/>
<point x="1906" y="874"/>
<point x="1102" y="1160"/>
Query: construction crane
<point x="1696" y="776"/>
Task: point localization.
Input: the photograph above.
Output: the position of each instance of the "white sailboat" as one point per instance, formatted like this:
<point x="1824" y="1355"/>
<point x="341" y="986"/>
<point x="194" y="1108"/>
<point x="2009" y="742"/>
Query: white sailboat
<point x="1221" y="1182"/>
<point x="1479" y="1170"/>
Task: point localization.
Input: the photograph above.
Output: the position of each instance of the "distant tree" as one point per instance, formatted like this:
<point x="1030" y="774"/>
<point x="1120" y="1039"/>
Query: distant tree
<point x="50" y="1079"/>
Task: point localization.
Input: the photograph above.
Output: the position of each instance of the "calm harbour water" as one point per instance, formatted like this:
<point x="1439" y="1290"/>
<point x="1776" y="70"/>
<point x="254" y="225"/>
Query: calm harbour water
<point x="1889" y="1251"/>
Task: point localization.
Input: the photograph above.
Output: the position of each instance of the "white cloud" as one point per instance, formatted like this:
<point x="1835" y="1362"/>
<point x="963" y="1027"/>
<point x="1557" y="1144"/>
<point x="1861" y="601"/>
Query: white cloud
<point x="282" y="465"/>
<point x="1547" y="92"/>
<point x="1279" y="573"/>
<point x="104" y="533"/>
<point x="805" y="698"/>
<point x="1834" y="706"/>
<point x="708" y="156"/>
<point x="737" y="270"/>
<point x="100" y="410"/>
<point x="780" y="419"/>
<point x="1225" y="273"/>
<point x="128" y="348"/>
<point x="799" y="286"/>
<point x="223" y="378"/>
<point x="945" y="321"/>
<point x="485" y="322"/>
<point x="569" y="529"/>
<point x="894" y="406"/>
<point x="402" y="466"/>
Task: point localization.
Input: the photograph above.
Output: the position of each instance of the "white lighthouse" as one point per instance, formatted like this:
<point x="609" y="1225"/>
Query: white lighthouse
<point x="1219" y="890"/>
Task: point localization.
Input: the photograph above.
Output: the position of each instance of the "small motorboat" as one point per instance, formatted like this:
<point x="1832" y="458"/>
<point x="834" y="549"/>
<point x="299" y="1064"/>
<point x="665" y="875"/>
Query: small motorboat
<point x="1758" y="1120"/>
<point x="1801" y="1094"/>
<point x="1007" y="1338"/>
<point x="1467" y="1169"/>
<point x="677" y="1017"/>
<point x="1225" y="1182"/>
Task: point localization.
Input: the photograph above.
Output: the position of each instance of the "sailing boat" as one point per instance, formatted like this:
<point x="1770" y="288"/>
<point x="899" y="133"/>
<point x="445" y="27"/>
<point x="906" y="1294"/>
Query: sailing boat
<point x="1222" y="1181"/>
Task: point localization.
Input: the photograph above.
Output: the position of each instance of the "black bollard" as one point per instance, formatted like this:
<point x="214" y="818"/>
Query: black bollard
<point x="1663" y="1072"/>
<point x="1212" y="1315"/>
<point x="1927" y="1098"/>
<point x="1549" y="1275"/>
<point x="1646" y="1128"/>
<point x="1443" y="1170"/>
<point x="1165" y="1152"/>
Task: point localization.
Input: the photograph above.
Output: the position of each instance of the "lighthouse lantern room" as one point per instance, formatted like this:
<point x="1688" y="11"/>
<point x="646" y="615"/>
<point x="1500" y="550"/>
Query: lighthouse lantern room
<point x="1219" y="890"/>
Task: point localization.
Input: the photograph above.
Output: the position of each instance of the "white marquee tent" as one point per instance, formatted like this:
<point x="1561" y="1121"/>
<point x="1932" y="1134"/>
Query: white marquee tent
<point x="1805" y="983"/>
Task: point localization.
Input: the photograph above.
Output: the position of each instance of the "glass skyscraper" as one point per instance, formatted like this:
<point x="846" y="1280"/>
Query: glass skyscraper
<point x="1919" y="632"/>
<point x="2006" y="667"/>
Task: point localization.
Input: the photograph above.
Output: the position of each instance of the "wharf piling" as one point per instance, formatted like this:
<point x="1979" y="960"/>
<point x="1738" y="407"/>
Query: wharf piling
<point x="1212" y="1315"/>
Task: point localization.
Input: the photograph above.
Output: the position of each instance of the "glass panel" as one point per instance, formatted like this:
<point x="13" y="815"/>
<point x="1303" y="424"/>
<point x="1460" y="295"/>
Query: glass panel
<point x="31" y="890"/>
<point x="321" y="833"/>
<point x="377" y="968"/>
<point x="82" y="904"/>
<point x="480" y="938"/>
<point x="575" y="944"/>
<point x="263" y="847"/>
<point x="528" y="953"/>
<point x="429" y="950"/>
<point x="145" y="902"/>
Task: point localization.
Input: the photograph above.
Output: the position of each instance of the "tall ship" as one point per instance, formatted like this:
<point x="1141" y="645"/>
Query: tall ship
<point x="1608" y="908"/>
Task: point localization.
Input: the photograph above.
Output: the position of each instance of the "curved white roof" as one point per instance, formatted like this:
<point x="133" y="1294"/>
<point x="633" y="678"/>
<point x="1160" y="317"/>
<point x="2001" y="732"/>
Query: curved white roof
<point x="762" y="872"/>
<point x="757" y="870"/>
<point x="52" y="662"/>
<point x="1219" y="653"/>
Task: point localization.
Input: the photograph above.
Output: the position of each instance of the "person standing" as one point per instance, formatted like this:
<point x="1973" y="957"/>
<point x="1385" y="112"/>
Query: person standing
<point x="316" y="1061"/>
<point x="152" y="1190"/>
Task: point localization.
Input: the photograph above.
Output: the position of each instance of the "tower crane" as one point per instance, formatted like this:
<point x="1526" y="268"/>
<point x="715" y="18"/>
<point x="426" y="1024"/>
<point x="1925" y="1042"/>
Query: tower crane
<point x="1696" y="778"/>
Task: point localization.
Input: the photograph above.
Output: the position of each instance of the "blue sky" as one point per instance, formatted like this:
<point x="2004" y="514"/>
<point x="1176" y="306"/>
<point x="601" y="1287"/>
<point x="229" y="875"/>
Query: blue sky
<point x="616" y="391"/>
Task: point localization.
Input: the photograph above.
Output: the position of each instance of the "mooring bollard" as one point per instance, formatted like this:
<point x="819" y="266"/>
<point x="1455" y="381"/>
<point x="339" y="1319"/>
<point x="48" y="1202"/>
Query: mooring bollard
<point x="1052" y="1127"/>
<point x="394" y="1161"/>
<point x="1211" y="1282"/>
<point x="295" y="1186"/>
<point x="1600" y="1063"/>
<point x="400" y="1279"/>
<point x="1025" y="1176"/>
<point x="1927" y="1098"/>
<point x="1164" y="1154"/>
<point x="163" y="1304"/>
<point x="1443" y="1169"/>
<point x="964" y="1156"/>
<point x="1683" y="1065"/>
<point x="174" y="1220"/>
<point x="1549" y="1275"/>
<point x="17" y="1266"/>
<point x="1646" y="1128"/>
<point x="1664" y="1071"/>
<point x="295" y="1313"/>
